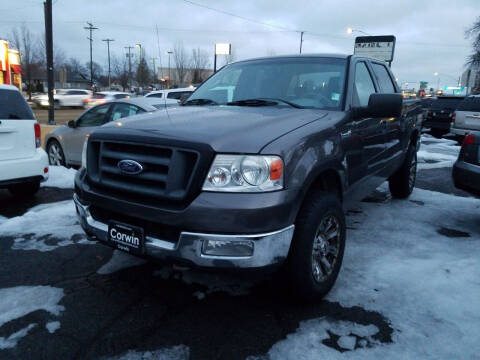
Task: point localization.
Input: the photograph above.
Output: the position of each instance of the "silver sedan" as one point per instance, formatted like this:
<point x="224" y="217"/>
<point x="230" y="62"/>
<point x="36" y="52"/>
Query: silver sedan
<point x="64" y="144"/>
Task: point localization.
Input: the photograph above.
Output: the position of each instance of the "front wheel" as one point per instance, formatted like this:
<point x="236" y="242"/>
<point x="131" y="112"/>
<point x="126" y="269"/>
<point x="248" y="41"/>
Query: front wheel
<point x="55" y="153"/>
<point x="317" y="249"/>
<point x="401" y="183"/>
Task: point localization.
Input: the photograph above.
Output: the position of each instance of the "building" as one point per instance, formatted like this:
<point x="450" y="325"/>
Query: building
<point x="10" y="66"/>
<point x="164" y="74"/>
<point x="471" y="79"/>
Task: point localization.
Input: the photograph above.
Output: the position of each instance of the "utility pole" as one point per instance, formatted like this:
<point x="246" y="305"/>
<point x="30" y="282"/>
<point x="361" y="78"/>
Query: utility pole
<point x="301" y="40"/>
<point x="108" y="49"/>
<point x="91" y="28"/>
<point x="47" y="6"/>
<point x="153" y="61"/>
<point x="129" y="67"/>
<point x="169" y="78"/>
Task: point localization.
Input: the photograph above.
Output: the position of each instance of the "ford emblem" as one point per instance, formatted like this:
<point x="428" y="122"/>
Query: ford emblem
<point x="130" y="167"/>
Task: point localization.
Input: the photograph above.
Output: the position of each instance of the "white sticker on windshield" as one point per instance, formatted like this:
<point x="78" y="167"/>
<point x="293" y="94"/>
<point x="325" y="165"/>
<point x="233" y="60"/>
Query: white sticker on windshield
<point x="335" y="96"/>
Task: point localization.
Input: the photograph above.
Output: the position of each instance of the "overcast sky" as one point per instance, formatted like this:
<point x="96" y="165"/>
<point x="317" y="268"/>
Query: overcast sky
<point x="430" y="34"/>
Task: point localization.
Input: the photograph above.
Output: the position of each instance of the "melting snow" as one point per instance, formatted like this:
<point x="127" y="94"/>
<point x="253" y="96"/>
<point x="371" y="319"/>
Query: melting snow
<point x="437" y="153"/>
<point x="179" y="352"/>
<point x="45" y="227"/>
<point x="60" y="177"/>
<point x="424" y="283"/>
<point x="16" y="302"/>
<point x="52" y="326"/>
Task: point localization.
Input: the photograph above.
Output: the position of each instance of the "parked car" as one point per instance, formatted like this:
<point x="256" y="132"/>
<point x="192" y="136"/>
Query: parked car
<point x="64" y="98"/>
<point x="439" y="116"/>
<point x="64" y="144"/>
<point x="466" y="170"/>
<point x="23" y="163"/>
<point x="103" y="97"/>
<point x="172" y="96"/>
<point x="255" y="181"/>
<point x="467" y="116"/>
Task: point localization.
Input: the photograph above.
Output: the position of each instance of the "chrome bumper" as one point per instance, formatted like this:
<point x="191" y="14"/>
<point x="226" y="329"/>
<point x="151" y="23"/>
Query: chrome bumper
<point x="268" y="249"/>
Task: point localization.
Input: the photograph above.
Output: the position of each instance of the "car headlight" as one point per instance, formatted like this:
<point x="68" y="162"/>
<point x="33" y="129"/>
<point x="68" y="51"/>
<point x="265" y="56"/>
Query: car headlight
<point x="84" y="154"/>
<point x="245" y="173"/>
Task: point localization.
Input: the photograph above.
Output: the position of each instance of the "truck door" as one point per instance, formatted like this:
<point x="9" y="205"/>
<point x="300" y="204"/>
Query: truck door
<point x="393" y="126"/>
<point x="370" y="130"/>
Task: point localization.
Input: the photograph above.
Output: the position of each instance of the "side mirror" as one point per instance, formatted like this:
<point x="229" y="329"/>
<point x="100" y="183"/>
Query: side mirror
<point x="71" y="124"/>
<point x="381" y="105"/>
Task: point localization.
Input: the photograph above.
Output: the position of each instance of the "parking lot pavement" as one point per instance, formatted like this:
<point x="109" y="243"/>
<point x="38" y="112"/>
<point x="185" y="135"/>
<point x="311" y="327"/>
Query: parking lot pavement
<point x="62" y="116"/>
<point x="408" y="288"/>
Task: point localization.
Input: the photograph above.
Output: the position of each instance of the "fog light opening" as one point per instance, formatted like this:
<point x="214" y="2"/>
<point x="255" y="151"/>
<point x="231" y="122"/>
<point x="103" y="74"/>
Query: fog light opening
<point x="231" y="248"/>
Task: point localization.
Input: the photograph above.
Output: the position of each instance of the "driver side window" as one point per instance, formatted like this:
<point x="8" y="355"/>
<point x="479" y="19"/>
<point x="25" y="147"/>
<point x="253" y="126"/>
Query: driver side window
<point x="363" y="86"/>
<point x="94" y="117"/>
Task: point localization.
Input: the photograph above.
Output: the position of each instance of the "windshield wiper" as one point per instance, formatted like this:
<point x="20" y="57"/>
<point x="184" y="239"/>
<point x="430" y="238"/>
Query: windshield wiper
<point x="200" y="102"/>
<point x="263" y="102"/>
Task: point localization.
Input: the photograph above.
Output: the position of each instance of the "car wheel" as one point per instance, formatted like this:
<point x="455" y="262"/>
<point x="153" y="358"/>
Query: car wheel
<point x="25" y="190"/>
<point x="402" y="182"/>
<point x="318" y="244"/>
<point x="55" y="153"/>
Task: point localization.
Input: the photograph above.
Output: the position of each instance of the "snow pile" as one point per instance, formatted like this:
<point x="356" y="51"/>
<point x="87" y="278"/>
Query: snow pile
<point x="19" y="301"/>
<point x="45" y="227"/>
<point x="60" y="177"/>
<point x="179" y="352"/>
<point x="437" y="153"/>
<point x="397" y="263"/>
<point x="119" y="261"/>
<point x="3" y="219"/>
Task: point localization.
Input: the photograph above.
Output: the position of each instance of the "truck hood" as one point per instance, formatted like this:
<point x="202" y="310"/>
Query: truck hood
<point x="224" y="128"/>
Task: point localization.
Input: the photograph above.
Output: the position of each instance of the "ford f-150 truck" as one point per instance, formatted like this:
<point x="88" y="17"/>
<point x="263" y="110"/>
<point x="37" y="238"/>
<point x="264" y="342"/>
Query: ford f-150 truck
<point x="255" y="169"/>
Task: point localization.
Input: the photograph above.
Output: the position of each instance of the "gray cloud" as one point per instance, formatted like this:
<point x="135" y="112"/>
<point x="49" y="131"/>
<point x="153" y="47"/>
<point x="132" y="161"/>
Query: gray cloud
<point x="430" y="34"/>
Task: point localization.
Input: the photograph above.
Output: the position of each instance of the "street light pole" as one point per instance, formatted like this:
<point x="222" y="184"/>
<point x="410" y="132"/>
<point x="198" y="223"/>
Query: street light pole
<point x="108" y="50"/>
<point x="301" y="40"/>
<point x="49" y="55"/>
<point x="140" y="67"/>
<point x="153" y="61"/>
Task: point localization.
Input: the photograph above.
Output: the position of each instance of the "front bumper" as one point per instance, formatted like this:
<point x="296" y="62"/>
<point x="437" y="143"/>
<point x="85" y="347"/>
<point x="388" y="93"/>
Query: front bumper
<point x="269" y="248"/>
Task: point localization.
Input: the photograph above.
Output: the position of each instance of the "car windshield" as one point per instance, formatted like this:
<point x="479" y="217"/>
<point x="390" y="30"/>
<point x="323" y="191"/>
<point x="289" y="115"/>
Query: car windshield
<point x="311" y="82"/>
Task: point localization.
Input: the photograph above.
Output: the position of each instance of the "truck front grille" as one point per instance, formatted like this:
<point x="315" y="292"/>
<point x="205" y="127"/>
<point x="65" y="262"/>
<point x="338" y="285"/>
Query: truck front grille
<point x="167" y="172"/>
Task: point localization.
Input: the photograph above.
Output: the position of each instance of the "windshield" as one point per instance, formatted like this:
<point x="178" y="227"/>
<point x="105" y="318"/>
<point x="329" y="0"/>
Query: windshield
<point x="304" y="82"/>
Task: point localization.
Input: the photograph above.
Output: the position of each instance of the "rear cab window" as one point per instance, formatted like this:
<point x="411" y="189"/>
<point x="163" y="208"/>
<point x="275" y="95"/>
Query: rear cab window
<point x="446" y="103"/>
<point x="177" y="94"/>
<point x="471" y="103"/>
<point x="14" y="106"/>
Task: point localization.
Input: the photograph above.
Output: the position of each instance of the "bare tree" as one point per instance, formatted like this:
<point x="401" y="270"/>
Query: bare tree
<point x="120" y="71"/>
<point x="76" y="69"/>
<point x="473" y="59"/>
<point x="59" y="57"/>
<point x="24" y="41"/>
<point x="199" y="63"/>
<point x="181" y="61"/>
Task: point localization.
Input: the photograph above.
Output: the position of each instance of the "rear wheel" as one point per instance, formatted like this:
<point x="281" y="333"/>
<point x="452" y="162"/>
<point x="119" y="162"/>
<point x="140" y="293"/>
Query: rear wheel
<point x="55" y="153"/>
<point x="401" y="183"/>
<point x="25" y="190"/>
<point x="317" y="249"/>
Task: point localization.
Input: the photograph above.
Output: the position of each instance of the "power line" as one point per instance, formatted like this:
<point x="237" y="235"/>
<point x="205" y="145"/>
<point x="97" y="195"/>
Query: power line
<point x="237" y="16"/>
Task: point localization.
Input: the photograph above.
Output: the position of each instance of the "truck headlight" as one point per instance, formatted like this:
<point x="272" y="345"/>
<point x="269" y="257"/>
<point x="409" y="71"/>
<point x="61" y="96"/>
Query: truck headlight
<point x="84" y="154"/>
<point x="245" y="173"/>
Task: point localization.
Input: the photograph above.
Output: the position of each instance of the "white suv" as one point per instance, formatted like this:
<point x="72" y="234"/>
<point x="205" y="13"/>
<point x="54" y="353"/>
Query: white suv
<point x="23" y="163"/>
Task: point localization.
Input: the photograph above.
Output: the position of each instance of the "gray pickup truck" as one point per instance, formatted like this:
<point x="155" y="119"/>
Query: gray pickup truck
<point x="255" y="169"/>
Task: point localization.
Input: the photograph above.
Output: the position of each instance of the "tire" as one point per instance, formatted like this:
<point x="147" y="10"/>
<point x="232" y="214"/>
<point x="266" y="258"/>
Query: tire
<point x="25" y="190"/>
<point x="402" y="182"/>
<point x="55" y="153"/>
<point x="321" y="214"/>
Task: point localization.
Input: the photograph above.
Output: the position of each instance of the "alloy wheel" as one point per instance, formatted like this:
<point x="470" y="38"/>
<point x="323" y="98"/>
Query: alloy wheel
<point x="326" y="245"/>
<point x="55" y="156"/>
